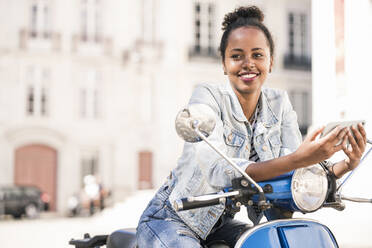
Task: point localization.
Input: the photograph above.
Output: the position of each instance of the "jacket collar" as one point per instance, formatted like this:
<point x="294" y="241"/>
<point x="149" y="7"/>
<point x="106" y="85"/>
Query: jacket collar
<point x="266" y="115"/>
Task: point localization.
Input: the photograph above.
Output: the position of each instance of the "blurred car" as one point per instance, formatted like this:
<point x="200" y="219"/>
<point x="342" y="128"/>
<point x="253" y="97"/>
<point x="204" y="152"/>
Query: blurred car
<point x="22" y="200"/>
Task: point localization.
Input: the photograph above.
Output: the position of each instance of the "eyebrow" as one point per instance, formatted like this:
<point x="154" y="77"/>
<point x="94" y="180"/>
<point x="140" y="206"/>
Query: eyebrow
<point x="241" y="50"/>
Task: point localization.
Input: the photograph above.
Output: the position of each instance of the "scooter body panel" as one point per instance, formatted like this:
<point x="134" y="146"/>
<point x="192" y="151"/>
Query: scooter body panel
<point x="282" y="192"/>
<point x="289" y="233"/>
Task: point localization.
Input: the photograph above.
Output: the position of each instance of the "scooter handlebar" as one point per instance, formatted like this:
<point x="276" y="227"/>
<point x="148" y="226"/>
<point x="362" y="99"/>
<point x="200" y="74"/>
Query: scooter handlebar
<point x="202" y="201"/>
<point x="186" y="204"/>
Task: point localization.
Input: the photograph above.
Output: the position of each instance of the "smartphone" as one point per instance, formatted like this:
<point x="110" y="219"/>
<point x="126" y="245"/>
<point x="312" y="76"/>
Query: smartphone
<point x="332" y="125"/>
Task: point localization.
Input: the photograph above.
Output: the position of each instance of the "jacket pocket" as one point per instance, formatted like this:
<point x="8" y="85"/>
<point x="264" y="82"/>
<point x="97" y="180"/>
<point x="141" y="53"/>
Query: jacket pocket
<point x="233" y="140"/>
<point x="275" y="142"/>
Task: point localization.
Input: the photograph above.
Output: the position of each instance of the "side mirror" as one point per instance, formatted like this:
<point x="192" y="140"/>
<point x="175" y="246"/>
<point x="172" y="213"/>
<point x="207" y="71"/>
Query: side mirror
<point x="196" y="123"/>
<point x="198" y="116"/>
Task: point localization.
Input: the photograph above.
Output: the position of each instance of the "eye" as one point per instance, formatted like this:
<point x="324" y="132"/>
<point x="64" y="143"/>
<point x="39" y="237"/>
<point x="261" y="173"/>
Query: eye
<point x="236" y="56"/>
<point x="257" y="55"/>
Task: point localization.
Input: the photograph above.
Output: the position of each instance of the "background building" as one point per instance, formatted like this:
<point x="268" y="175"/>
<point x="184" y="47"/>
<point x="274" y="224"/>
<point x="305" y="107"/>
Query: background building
<point x="93" y="86"/>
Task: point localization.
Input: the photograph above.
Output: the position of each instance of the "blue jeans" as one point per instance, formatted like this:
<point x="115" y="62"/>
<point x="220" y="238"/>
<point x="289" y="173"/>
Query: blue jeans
<point x="161" y="227"/>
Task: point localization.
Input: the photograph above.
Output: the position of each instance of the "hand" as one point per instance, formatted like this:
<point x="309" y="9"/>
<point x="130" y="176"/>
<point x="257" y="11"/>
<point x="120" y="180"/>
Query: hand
<point x="313" y="151"/>
<point x="357" y="146"/>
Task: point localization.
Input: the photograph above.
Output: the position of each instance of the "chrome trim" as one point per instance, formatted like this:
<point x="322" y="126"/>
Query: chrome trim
<point x="255" y="228"/>
<point x="294" y="198"/>
<point x="212" y="197"/>
<point x="178" y="206"/>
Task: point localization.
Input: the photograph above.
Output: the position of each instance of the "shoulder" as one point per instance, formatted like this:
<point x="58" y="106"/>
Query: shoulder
<point x="276" y="96"/>
<point x="208" y="93"/>
<point x="205" y="91"/>
<point x="214" y="88"/>
<point x="277" y="100"/>
<point x="273" y="94"/>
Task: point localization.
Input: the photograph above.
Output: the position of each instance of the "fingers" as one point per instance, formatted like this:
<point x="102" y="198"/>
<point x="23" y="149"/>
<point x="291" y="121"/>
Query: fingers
<point x="312" y="136"/>
<point x="340" y="138"/>
<point x="363" y="133"/>
<point x="335" y="137"/>
<point x="343" y="144"/>
<point x="333" y="134"/>
<point x="357" y="140"/>
<point x="355" y="148"/>
<point x="357" y="145"/>
<point x="346" y="150"/>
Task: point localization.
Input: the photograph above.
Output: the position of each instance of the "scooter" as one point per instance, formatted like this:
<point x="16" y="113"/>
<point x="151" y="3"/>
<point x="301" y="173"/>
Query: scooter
<point x="303" y="190"/>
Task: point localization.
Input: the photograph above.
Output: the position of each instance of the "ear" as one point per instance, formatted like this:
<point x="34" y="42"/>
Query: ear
<point x="224" y="69"/>
<point x="271" y="64"/>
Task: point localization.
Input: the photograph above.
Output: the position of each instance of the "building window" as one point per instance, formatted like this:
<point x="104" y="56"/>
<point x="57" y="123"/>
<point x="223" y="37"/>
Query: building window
<point x="89" y="96"/>
<point x="44" y="101"/>
<point x="37" y="92"/>
<point x="301" y="104"/>
<point x="40" y="19"/>
<point x="89" y="165"/>
<point x="204" y="30"/>
<point x="298" y="51"/>
<point x="30" y="100"/>
<point x="90" y="21"/>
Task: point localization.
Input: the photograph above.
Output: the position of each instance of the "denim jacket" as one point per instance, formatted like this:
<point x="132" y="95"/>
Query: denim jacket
<point x="200" y="170"/>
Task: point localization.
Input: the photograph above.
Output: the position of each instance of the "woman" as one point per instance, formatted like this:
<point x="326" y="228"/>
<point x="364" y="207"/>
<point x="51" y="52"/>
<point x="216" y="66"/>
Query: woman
<point x="256" y="127"/>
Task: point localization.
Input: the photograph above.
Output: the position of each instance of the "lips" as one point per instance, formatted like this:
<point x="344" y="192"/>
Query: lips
<point x="248" y="76"/>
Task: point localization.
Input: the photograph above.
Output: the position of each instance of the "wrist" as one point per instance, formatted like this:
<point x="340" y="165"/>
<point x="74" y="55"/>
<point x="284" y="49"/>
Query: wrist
<point x="333" y="172"/>
<point x="296" y="160"/>
<point x="339" y="169"/>
<point x="348" y="164"/>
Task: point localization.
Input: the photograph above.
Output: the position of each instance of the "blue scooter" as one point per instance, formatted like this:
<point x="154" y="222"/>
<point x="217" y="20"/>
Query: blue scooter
<point x="303" y="190"/>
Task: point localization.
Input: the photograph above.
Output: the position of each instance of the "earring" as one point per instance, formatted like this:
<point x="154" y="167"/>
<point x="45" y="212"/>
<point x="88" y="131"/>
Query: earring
<point x="225" y="73"/>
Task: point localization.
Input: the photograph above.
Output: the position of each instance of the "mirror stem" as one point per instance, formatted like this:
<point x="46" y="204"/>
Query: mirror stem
<point x="201" y="135"/>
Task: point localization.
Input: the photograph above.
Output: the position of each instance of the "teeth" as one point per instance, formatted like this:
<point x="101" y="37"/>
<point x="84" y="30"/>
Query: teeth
<point x="248" y="75"/>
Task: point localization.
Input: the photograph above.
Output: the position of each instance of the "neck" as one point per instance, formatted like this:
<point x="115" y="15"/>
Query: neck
<point x="249" y="103"/>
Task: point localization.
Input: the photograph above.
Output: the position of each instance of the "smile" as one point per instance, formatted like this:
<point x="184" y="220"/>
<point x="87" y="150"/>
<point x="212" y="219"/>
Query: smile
<point x="248" y="77"/>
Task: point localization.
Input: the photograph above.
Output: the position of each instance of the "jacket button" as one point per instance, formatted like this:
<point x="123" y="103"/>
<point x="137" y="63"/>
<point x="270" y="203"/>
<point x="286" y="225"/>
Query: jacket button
<point x="264" y="148"/>
<point x="247" y="147"/>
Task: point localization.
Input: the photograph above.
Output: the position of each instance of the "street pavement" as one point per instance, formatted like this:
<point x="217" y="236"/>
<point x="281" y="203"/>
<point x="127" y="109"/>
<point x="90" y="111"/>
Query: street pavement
<point x="352" y="227"/>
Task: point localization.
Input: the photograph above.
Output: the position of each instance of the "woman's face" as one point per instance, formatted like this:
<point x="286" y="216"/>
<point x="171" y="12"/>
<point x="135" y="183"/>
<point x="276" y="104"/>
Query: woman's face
<point x="247" y="60"/>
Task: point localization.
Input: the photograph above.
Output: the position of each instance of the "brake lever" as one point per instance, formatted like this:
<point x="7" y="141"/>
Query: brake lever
<point x="356" y="199"/>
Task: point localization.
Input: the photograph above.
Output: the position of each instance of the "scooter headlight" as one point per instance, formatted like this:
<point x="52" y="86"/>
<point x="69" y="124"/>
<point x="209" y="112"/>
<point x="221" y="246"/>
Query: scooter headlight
<point x="309" y="188"/>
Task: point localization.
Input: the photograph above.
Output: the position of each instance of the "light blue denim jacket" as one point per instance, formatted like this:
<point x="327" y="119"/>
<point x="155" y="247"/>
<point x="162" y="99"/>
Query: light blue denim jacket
<point x="201" y="170"/>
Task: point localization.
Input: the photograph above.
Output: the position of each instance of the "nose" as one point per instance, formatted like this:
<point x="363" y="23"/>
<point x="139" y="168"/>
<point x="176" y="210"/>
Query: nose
<point x="248" y="63"/>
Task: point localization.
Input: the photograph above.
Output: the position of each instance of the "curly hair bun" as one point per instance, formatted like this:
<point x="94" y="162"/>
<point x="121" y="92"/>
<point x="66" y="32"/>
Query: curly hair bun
<point x="250" y="12"/>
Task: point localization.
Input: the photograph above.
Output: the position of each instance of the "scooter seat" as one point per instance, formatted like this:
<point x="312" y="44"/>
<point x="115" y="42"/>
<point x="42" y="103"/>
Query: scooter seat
<point x="123" y="238"/>
<point x="126" y="238"/>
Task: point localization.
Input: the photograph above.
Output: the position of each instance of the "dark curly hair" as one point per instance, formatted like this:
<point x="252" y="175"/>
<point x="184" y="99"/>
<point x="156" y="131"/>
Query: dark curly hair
<point x="250" y="16"/>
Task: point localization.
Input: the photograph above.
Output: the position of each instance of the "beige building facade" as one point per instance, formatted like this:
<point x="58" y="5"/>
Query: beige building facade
<point x="93" y="86"/>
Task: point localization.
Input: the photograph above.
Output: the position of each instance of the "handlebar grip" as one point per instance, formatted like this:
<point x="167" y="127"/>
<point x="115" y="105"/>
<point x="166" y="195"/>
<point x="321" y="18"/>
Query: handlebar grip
<point x="186" y="204"/>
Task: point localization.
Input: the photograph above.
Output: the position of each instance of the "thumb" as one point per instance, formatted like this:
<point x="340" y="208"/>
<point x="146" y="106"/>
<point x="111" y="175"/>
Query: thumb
<point x="312" y="136"/>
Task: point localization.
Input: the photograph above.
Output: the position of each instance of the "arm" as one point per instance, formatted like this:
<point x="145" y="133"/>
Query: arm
<point x="293" y="154"/>
<point x="311" y="151"/>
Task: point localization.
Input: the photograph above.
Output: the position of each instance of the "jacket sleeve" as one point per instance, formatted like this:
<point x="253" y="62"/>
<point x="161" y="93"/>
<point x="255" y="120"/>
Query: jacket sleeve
<point x="216" y="169"/>
<point x="291" y="135"/>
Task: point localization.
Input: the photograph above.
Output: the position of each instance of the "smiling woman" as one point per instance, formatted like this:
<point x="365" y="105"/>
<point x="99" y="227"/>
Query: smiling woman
<point x="247" y="51"/>
<point x="255" y="126"/>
